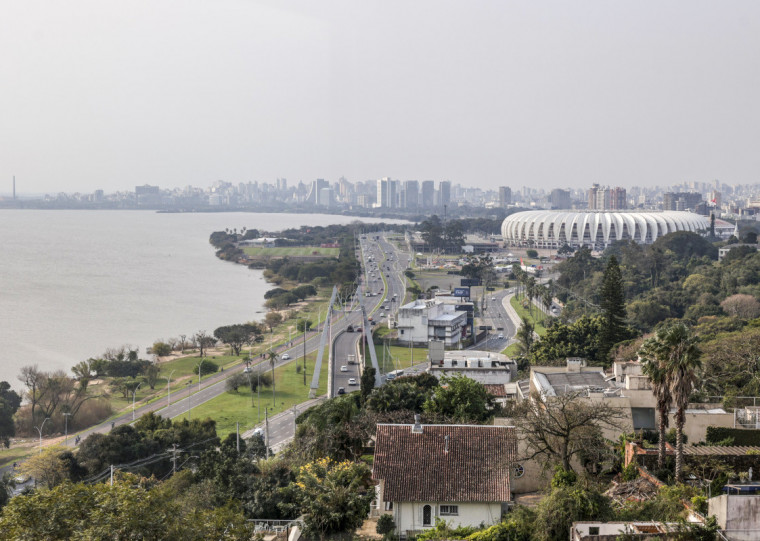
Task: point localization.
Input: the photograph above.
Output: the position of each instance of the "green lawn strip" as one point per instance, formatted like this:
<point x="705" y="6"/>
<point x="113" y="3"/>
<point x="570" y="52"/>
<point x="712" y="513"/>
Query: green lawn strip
<point x="512" y="350"/>
<point x="523" y="312"/>
<point x="399" y="357"/>
<point x="16" y="454"/>
<point x="281" y="251"/>
<point x="229" y="407"/>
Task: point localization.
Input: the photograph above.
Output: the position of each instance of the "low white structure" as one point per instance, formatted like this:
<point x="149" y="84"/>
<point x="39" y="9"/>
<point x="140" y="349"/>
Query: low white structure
<point x="459" y="473"/>
<point x="423" y="320"/>
<point x="486" y="367"/>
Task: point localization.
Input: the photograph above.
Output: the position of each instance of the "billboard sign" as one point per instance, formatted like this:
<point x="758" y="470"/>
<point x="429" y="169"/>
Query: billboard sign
<point x="462" y="292"/>
<point x="466" y="282"/>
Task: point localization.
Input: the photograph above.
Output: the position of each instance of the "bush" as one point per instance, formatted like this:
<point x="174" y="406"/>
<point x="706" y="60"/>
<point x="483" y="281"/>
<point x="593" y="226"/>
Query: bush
<point x="208" y="367"/>
<point x="630" y="472"/>
<point x="739" y="436"/>
<point x="162" y="349"/>
<point x="532" y="253"/>
<point x="234" y="382"/>
<point x="385" y="525"/>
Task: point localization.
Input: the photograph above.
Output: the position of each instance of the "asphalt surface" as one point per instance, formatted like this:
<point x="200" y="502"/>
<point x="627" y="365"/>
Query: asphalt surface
<point x="495" y="315"/>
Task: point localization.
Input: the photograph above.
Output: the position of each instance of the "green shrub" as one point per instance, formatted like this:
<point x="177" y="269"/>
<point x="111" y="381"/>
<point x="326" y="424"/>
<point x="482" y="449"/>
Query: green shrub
<point x="740" y="436"/>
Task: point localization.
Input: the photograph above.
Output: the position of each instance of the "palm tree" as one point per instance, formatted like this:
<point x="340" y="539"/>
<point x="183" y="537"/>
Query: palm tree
<point x="272" y="357"/>
<point x="525" y="335"/>
<point x="675" y="360"/>
<point x="653" y="368"/>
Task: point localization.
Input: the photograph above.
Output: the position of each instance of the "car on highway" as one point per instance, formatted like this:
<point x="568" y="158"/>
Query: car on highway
<point x="258" y="432"/>
<point x="501" y="336"/>
<point x="350" y="328"/>
<point x="341" y="390"/>
<point x="285" y="357"/>
<point x="352" y="381"/>
<point x="247" y="370"/>
<point x="344" y="368"/>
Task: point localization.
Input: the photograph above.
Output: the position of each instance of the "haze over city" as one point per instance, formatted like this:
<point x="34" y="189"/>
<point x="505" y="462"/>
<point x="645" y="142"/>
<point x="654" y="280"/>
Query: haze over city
<point x="552" y="94"/>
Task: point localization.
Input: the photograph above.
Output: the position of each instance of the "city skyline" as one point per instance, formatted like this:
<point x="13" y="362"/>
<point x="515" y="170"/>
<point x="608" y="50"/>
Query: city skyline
<point x="551" y="95"/>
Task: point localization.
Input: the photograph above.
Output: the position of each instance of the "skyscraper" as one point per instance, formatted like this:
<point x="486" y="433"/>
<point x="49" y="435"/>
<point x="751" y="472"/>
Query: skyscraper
<point x="505" y="196"/>
<point x="411" y="194"/>
<point x="444" y="187"/>
<point x="386" y="193"/>
<point x="428" y="193"/>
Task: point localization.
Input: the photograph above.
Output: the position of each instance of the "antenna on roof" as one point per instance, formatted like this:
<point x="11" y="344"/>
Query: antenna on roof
<point x="417" y="428"/>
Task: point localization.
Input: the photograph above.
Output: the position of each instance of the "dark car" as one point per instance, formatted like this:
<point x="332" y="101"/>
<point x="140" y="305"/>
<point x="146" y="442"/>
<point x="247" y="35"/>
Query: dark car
<point x="350" y="328"/>
<point x="341" y="390"/>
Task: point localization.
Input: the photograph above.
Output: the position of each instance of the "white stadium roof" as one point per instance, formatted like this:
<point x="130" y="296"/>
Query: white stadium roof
<point x="554" y="228"/>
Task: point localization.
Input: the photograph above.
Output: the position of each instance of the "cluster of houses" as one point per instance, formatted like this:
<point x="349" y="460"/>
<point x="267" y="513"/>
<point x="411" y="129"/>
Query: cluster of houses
<point x="470" y="475"/>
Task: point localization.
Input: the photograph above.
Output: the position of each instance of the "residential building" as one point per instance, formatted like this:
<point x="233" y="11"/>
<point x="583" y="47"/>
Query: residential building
<point x="560" y="199"/>
<point x="444" y="189"/>
<point x="411" y="194"/>
<point x="428" y="194"/>
<point x="458" y="473"/>
<point x="505" y="196"/>
<point x="486" y="367"/>
<point x="423" y="320"/>
<point x="612" y="531"/>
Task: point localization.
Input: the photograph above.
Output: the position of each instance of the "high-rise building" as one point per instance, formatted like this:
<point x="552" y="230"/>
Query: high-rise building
<point x="681" y="200"/>
<point x="560" y="199"/>
<point x="411" y="194"/>
<point x="505" y="196"/>
<point x="316" y="187"/>
<point x="618" y="199"/>
<point x="386" y="193"/>
<point x="444" y="187"/>
<point x="428" y="194"/>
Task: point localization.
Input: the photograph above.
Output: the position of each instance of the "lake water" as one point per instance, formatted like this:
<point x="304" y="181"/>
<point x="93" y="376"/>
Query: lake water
<point x="73" y="283"/>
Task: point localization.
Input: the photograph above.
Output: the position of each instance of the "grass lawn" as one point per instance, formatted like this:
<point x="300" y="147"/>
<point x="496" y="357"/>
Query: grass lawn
<point x="523" y="312"/>
<point x="280" y="251"/>
<point x="512" y="350"/>
<point x="17" y="453"/>
<point x="229" y="407"/>
<point x="399" y="357"/>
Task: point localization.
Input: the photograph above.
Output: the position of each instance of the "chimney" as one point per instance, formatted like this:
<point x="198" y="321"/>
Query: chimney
<point x="417" y="428"/>
<point x="446" y="447"/>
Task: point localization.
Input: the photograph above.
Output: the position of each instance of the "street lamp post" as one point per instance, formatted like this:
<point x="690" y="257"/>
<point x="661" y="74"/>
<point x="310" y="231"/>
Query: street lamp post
<point x="40" y="430"/>
<point x="169" y="385"/>
<point x="200" y="365"/>
<point x="134" y="395"/>
<point x="66" y="429"/>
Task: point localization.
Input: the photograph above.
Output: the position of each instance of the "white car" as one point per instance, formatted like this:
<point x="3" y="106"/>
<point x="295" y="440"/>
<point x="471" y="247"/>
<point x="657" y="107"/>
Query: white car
<point x="285" y="357"/>
<point x="352" y="381"/>
<point x="501" y="336"/>
<point x="344" y="368"/>
<point x="247" y="370"/>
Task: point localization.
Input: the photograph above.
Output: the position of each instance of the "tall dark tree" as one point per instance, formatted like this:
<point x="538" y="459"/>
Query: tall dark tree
<point x="613" y="306"/>
<point x="367" y="382"/>
<point x="10" y="401"/>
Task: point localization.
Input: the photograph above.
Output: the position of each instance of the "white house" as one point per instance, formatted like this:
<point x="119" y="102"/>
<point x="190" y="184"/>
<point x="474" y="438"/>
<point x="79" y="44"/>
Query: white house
<point x="459" y="473"/>
<point x="423" y="320"/>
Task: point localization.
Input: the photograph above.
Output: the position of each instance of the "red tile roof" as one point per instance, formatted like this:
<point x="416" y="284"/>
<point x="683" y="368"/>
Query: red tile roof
<point x="417" y="467"/>
<point x="496" y="390"/>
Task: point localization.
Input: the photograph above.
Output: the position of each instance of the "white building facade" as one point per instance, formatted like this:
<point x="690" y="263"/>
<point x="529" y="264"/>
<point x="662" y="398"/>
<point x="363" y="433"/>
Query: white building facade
<point x="423" y="320"/>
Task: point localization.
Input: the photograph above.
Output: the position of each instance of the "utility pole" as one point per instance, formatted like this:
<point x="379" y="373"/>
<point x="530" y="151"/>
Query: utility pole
<point x="174" y="458"/>
<point x="237" y="436"/>
<point x="66" y="437"/>
<point x="304" y="351"/>
<point x="111" y="474"/>
<point x="266" y="426"/>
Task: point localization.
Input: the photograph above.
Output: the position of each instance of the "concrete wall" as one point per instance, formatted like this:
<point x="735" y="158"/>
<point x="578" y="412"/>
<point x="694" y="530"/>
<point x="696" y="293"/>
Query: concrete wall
<point x="696" y="424"/>
<point x="408" y="515"/>
<point x="738" y="515"/>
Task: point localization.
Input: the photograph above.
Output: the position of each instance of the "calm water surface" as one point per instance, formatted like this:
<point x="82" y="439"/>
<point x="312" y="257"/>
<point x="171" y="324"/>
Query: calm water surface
<point x="73" y="283"/>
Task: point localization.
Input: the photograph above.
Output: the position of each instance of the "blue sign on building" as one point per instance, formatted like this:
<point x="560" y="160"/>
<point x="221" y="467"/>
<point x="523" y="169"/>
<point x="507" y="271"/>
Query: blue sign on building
<point x="462" y="292"/>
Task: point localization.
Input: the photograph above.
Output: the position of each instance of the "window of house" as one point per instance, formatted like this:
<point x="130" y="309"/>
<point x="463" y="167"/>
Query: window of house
<point x="402" y="331"/>
<point x="593" y="530"/>
<point x="449" y="510"/>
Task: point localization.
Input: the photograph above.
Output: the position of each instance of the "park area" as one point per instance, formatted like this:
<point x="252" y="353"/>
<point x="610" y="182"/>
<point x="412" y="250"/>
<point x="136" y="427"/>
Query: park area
<point x="283" y="251"/>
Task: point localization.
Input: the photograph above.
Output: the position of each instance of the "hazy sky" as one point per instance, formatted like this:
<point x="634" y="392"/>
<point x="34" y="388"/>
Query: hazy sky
<point x="106" y="94"/>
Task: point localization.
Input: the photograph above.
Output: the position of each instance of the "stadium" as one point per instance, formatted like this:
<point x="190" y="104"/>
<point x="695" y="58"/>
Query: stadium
<point x="595" y="229"/>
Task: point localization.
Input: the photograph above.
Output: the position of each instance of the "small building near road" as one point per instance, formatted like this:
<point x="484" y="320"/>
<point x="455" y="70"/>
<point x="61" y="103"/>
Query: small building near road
<point x="423" y="320"/>
<point x="458" y="473"/>
<point x="486" y="367"/>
